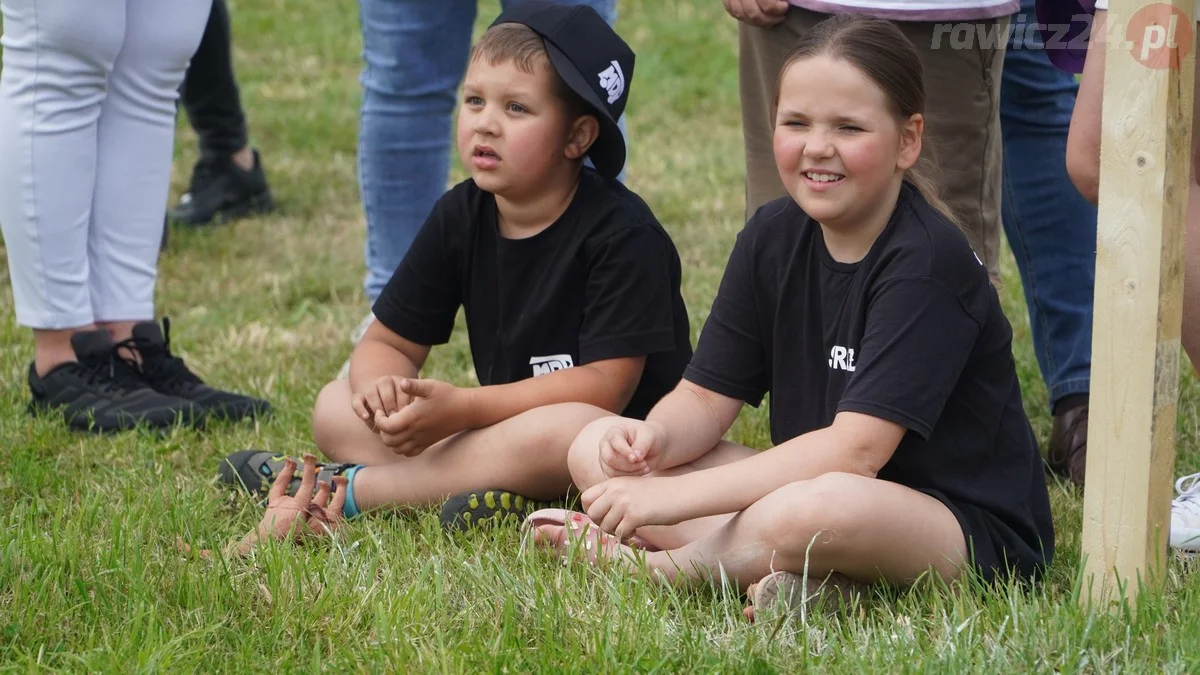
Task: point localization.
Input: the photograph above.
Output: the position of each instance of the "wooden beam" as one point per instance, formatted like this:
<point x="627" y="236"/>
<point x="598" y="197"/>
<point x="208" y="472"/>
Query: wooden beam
<point x="1144" y="174"/>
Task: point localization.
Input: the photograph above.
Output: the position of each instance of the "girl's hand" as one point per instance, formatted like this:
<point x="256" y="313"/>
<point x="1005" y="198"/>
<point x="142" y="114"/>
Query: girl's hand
<point x="631" y="448"/>
<point x="621" y="505"/>
<point x="438" y="410"/>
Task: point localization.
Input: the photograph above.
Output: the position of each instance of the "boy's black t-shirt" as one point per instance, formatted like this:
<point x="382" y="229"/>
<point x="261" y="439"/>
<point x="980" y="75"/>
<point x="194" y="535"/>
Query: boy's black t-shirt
<point x="602" y="282"/>
<point x="912" y="333"/>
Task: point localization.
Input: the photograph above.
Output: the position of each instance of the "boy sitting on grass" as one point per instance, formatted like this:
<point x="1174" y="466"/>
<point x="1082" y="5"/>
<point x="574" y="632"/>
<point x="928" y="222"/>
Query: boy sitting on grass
<point x="570" y="285"/>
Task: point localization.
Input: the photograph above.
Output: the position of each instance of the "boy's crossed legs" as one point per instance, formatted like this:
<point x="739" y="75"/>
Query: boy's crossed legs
<point x="865" y="529"/>
<point x="525" y="454"/>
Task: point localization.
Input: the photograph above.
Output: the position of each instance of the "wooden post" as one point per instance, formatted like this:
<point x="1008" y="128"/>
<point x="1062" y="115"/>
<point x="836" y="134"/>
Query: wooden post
<point x="1144" y="173"/>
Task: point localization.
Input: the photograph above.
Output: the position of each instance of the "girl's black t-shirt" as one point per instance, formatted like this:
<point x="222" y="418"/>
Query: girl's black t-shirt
<point x="913" y="333"/>
<point x="602" y="282"/>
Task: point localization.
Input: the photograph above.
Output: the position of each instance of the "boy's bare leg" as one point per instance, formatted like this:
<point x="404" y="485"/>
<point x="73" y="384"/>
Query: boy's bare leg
<point x="864" y="528"/>
<point x="586" y="472"/>
<point x="341" y="435"/>
<point x="525" y="454"/>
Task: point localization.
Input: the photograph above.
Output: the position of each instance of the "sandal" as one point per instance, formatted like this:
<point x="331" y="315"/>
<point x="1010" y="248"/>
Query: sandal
<point x="477" y="508"/>
<point x="256" y="470"/>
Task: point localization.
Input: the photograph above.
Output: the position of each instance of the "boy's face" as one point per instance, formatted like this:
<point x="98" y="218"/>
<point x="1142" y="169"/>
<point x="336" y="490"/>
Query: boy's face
<point x="513" y="130"/>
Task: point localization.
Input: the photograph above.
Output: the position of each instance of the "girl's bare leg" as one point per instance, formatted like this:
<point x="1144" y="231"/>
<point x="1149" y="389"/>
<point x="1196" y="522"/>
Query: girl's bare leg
<point x="864" y="528"/>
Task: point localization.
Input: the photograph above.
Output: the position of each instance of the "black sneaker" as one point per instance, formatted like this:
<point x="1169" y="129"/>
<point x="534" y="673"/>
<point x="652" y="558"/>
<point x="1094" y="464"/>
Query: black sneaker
<point x="101" y="392"/>
<point x="220" y="190"/>
<point x="481" y="507"/>
<point x="168" y="374"/>
<point x="256" y="470"/>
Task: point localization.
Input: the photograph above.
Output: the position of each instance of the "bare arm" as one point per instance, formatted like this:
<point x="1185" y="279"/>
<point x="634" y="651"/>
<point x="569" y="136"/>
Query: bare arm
<point x="382" y="352"/>
<point x="691" y="420"/>
<point x="607" y="384"/>
<point x="1083" y="138"/>
<point x="854" y="443"/>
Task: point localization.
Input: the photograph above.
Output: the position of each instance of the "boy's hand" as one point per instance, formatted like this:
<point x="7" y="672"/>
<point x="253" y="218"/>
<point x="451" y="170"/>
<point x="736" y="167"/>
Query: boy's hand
<point x="438" y="410"/>
<point x="621" y="505"/>
<point x="631" y="448"/>
<point x="384" y="395"/>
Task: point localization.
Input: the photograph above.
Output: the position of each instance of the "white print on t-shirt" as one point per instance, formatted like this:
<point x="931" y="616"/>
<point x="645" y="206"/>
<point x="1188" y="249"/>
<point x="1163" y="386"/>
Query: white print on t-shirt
<point x="841" y="358"/>
<point x="977" y="258"/>
<point x="548" y="364"/>
<point x="613" y="81"/>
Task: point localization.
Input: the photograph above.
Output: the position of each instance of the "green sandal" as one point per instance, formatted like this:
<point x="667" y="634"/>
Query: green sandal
<point x="256" y="470"/>
<point x="473" y="509"/>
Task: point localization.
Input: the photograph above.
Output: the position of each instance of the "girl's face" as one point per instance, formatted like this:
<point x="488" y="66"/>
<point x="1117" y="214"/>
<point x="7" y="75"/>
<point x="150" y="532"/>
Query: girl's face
<point x="839" y="150"/>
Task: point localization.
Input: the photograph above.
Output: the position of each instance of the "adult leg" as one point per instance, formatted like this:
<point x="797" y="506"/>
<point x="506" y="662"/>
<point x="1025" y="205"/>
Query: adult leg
<point x="56" y="60"/>
<point x="1051" y="229"/>
<point x="228" y="180"/>
<point x="210" y="93"/>
<point x="59" y="65"/>
<point x="133" y="165"/>
<point x="415" y="54"/>
<point x="760" y="55"/>
<point x="962" y="94"/>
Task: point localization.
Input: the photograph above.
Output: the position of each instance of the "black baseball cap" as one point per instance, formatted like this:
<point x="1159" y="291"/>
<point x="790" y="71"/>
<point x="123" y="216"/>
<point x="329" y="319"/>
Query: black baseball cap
<point x="592" y="60"/>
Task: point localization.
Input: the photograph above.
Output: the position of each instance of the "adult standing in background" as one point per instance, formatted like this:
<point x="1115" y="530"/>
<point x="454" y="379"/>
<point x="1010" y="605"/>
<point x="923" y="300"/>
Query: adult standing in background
<point x="228" y="181"/>
<point x="415" y="54"/>
<point x="1051" y="230"/>
<point x="87" y="124"/>
<point x="962" y="59"/>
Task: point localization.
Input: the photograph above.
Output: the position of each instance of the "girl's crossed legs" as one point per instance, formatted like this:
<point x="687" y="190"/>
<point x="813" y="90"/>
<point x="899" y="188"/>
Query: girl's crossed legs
<point x="864" y="528"/>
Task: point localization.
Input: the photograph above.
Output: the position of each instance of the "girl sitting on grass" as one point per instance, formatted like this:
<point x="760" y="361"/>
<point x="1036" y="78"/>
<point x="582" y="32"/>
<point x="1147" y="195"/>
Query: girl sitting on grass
<point x="901" y="444"/>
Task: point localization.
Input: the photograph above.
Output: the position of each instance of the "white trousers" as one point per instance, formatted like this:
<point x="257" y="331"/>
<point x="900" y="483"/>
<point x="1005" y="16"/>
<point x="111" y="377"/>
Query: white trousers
<point x="87" y="123"/>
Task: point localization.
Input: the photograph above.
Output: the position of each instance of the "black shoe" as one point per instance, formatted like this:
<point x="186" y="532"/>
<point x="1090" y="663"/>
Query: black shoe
<point x="481" y="507"/>
<point x="168" y="374"/>
<point x="101" y="392"/>
<point x="256" y="470"/>
<point x="222" y="191"/>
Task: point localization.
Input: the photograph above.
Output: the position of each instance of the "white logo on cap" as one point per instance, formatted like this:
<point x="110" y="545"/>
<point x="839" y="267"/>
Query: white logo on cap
<point x="613" y="81"/>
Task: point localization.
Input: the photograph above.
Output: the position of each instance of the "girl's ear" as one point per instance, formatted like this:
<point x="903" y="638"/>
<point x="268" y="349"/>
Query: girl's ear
<point x="584" y="131"/>
<point x="911" y="132"/>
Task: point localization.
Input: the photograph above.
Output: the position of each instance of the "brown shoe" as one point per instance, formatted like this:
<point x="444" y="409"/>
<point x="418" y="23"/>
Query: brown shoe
<point x="1068" y="444"/>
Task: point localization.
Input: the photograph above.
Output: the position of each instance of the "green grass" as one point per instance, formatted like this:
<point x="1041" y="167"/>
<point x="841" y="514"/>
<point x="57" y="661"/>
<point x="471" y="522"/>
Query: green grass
<point x="88" y="576"/>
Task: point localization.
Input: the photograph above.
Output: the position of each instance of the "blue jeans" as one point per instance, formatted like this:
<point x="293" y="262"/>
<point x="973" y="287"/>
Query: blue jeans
<point x="1050" y="227"/>
<point x="415" y="54"/>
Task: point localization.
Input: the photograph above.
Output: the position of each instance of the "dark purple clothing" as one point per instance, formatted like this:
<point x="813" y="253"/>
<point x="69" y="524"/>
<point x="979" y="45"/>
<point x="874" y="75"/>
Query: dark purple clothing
<point x="1066" y="27"/>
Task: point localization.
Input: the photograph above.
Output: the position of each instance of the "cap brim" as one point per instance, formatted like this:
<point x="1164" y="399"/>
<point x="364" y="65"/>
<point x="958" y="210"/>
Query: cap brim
<point x="608" y="151"/>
